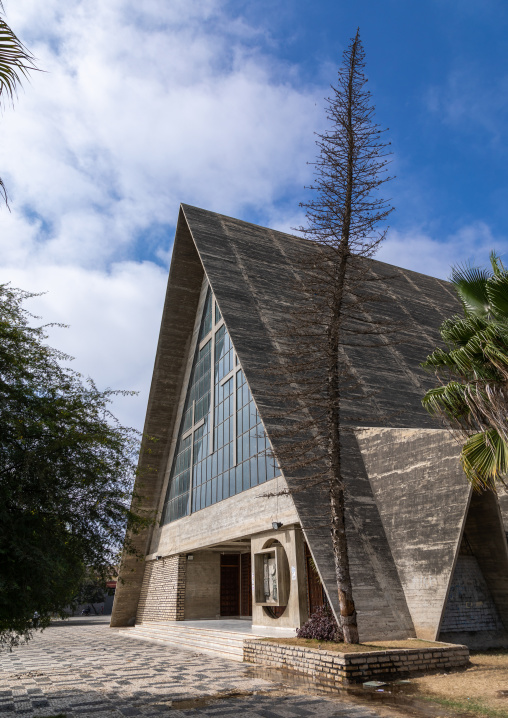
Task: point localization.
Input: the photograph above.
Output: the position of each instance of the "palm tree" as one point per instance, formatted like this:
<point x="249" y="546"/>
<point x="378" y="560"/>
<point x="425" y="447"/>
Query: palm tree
<point x="16" y="61"/>
<point x="473" y="372"/>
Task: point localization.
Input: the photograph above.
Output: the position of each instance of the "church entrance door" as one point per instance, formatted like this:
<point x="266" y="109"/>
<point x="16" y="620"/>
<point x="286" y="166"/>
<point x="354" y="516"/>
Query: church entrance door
<point x="230" y="584"/>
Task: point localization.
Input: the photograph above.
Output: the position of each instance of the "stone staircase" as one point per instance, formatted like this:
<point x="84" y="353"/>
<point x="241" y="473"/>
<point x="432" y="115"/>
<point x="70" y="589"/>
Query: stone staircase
<point x="221" y="643"/>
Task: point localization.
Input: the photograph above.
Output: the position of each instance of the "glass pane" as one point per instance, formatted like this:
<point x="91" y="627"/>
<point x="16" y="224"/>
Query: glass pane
<point x="238" y="483"/>
<point x="206" y="322"/>
<point x="261" y="468"/>
<point x="253" y="471"/>
<point x="225" y="485"/>
<point x="245" y="475"/>
<point x="253" y="466"/>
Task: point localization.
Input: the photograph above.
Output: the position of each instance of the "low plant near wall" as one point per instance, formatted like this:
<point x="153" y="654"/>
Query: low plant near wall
<point x="322" y="626"/>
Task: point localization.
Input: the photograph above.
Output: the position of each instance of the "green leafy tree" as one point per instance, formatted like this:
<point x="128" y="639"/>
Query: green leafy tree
<point x="91" y="590"/>
<point x="16" y="61"/>
<point x="473" y="372"/>
<point x="66" y="474"/>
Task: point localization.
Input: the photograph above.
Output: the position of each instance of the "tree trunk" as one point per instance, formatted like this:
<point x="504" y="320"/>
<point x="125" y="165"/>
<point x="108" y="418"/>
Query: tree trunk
<point x="337" y="504"/>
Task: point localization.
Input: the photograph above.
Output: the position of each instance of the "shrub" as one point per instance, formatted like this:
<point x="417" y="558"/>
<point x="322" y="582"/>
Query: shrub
<point x="321" y="625"/>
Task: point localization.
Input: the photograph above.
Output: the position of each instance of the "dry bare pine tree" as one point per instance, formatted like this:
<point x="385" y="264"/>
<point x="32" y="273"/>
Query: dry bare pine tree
<point x="335" y="282"/>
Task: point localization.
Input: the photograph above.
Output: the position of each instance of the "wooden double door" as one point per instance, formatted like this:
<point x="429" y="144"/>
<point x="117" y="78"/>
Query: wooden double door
<point x="235" y="584"/>
<point x="316" y="596"/>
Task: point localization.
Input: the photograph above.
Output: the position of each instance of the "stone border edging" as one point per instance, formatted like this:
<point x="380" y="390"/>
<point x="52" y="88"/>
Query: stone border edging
<point x="355" y="667"/>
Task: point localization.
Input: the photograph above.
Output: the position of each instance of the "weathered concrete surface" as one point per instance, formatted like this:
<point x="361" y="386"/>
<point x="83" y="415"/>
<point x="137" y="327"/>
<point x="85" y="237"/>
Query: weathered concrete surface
<point x="251" y="270"/>
<point x="379" y="597"/>
<point x="484" y="533"/>
<point x="422" y="497"/>
<point x="427" y="508"/>
<point x="244" y="514"/>
<point x="502" y="493"/>
<point x="296" y="612"/>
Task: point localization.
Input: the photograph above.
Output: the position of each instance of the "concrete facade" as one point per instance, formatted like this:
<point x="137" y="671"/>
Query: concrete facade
<point x="409" y="507"/>
<point x="296" y="613"/>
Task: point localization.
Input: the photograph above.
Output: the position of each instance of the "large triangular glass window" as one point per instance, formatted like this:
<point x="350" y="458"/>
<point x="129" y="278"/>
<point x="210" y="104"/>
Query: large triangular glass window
<point x="222" y="448"/>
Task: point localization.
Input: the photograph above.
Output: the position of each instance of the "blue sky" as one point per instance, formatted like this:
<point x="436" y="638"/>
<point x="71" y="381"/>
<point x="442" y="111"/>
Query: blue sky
<point x="214" y="103"/>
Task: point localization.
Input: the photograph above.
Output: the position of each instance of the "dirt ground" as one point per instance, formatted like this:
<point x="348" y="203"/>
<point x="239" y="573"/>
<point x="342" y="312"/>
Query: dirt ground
<point x="481" y="688"/>
<point x="352" y="647"/>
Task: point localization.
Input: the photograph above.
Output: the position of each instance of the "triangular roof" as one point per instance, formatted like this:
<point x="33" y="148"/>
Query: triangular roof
<point x="250" y="270"/>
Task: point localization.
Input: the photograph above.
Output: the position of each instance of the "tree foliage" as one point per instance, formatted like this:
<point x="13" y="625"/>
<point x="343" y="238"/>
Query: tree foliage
<point x="66" y="474"/>
<point x="91" y="590"/>
<point x="333" y="282"/>
<point x="473" y="372"/>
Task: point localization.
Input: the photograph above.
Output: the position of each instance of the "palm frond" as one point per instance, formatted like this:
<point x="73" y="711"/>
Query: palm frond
<point x="497" y="355"/>
<point x="437" y="359"/>
<point x="16" y="61"/>
<point x="458" y="331"/>
<point x="3" y="193"/>
<point x="497" y="293"/>
<point x="470" y="283"/>
<point x="484" y="458"/>
<point x="498" y="267"/>
<point x="448" y="401"/>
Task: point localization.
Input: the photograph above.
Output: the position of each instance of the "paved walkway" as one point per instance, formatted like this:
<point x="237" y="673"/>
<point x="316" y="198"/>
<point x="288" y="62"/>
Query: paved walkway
<point x="81" y="668"/>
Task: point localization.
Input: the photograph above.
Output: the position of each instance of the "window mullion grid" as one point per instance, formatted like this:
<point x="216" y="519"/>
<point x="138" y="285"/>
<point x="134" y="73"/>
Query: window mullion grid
<point x="235" y="420"/>
<point x="212" y="384"/>
<point x="191" y="480"/>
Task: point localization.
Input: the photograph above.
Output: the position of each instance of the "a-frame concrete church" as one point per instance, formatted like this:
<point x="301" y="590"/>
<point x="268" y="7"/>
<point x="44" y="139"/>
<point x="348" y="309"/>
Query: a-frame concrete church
<point x="428" y="557"/>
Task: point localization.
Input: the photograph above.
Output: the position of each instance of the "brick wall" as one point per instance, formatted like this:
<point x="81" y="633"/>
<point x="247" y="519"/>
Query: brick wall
<point x="331" y="666"/>
<point x="163" y="591"/>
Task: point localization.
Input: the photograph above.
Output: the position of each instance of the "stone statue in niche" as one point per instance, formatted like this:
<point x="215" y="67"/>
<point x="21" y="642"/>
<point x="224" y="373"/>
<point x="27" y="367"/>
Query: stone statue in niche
<point x="270" y="578"/>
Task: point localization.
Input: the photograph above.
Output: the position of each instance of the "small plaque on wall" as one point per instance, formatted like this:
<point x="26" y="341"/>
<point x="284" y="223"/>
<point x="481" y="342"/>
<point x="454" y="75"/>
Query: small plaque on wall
<point x="271" y="577"/>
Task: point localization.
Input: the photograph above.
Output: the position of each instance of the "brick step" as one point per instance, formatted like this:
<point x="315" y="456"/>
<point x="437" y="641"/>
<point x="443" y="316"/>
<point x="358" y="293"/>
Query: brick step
<point x="219" y="636"/>
<point x="173" y="626"/>
<point x="215" y="651"/>
<point x="225" y="644"/>
<point x="194" y="640"/>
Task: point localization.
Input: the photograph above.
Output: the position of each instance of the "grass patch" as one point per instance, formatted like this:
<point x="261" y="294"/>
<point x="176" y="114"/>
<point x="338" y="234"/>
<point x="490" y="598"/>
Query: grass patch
<point x="472" y="706"/>
<point x="352" y="647"/>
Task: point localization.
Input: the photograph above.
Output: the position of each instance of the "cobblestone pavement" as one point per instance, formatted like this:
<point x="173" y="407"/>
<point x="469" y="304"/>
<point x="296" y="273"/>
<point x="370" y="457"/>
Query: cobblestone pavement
<point x="81" y="668"/>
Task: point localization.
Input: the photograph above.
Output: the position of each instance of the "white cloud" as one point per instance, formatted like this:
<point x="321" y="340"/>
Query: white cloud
<point x="140" y="107"/>
<point x="469" y="104"/>
<point x="115" y="319"/>
<point x="138" y="112"/>
<point x="418" y="250"/>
